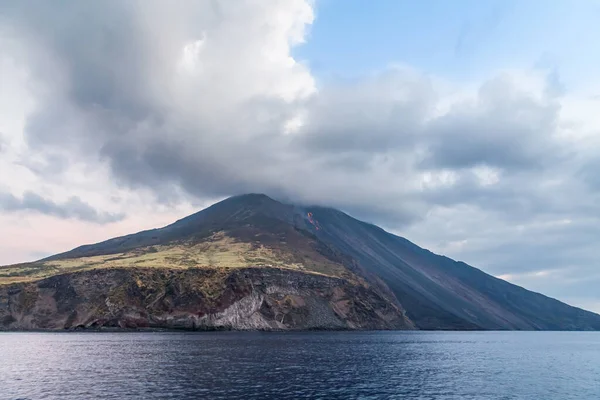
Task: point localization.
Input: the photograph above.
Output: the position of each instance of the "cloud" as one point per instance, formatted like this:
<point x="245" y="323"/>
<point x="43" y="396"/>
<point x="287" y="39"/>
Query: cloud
<point x="74" y="207"/>
<point x="150" y="106"/>
<point x="207" y="97"/>
<point x="504" y="126"/>
<point x="217" y="105"/>
<point x="381" y="114"/>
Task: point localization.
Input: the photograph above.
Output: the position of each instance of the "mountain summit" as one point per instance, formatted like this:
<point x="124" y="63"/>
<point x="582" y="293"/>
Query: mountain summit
<point x="251" y="262"/>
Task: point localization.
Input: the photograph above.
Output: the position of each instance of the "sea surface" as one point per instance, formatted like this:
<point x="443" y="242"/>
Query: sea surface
<point x="328" y="365"/>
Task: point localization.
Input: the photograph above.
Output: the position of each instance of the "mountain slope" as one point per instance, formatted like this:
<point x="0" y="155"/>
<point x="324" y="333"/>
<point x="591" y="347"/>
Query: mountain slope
<point x="232" y="214"/>
<point x="376" y="280"/>
<point x="438" y="292"/>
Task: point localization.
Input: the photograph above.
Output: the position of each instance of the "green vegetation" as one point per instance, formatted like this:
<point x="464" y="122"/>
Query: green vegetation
<point x="219" y="251"/>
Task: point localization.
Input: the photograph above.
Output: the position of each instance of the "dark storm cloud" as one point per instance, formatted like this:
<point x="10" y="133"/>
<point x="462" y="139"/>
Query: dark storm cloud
<point x="95" y="43"/>
<point x="74" y="207"/>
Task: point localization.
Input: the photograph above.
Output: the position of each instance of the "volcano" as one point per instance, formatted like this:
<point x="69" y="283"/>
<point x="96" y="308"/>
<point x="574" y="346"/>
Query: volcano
<point x="253" y="263"/>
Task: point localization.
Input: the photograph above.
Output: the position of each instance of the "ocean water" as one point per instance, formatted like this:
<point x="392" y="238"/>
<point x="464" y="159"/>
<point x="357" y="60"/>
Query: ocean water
<point x="328" y="365"/>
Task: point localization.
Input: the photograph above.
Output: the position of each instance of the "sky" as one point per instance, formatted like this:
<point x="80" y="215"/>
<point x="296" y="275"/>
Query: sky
<point x="469" y="127"/>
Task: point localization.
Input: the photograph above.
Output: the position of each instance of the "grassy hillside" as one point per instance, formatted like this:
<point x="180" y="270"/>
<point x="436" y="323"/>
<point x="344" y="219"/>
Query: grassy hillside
<point x="219" y="251"/>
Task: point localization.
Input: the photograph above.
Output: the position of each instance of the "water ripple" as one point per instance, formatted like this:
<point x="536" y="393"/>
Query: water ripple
<point x="348" y="365"/>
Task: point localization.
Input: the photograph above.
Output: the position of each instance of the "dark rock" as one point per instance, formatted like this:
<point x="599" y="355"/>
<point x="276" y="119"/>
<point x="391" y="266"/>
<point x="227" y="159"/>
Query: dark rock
<point x="133" y="298"/>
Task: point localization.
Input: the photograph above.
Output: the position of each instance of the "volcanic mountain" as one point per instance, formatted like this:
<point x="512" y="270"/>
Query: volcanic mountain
<point x="250" y="262"/>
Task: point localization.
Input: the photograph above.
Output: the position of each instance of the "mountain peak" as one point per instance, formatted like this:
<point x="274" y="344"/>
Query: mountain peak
<point x="237" y="208"/>
<point x="232" y="212"/>
<point x="251" y="197"/>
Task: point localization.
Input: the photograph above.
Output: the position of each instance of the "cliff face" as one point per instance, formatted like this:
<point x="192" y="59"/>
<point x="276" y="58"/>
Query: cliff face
<point x="196" y="299"/>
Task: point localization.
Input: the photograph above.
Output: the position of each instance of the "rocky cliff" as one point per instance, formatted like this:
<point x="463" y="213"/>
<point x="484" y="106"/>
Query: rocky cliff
<point x="196" y="299"/>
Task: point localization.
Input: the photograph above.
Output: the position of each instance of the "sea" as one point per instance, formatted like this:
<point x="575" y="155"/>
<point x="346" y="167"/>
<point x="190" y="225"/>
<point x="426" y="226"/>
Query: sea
<point x="307" y="365"/>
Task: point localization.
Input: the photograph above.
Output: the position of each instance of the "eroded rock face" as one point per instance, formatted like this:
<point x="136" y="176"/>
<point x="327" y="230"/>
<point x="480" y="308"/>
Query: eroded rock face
<point x="196" y="299"/>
